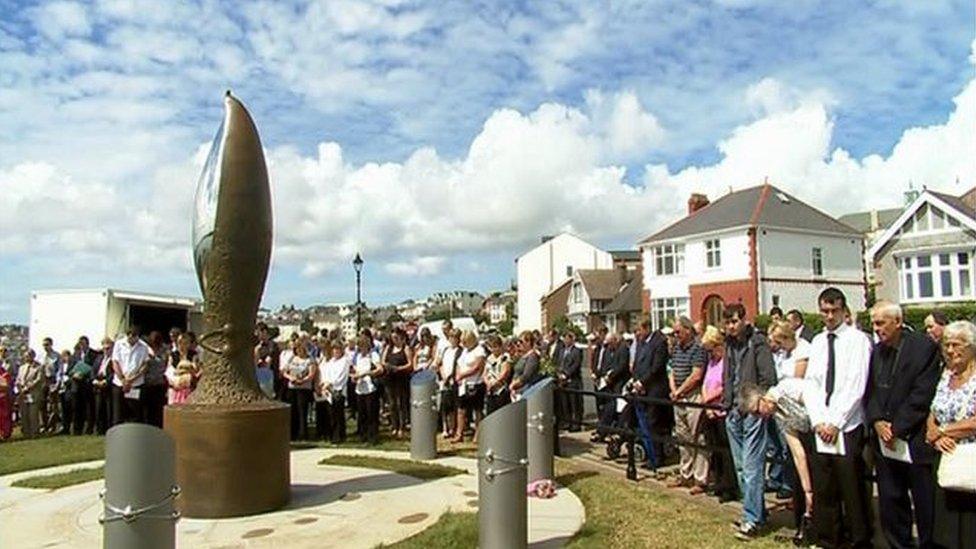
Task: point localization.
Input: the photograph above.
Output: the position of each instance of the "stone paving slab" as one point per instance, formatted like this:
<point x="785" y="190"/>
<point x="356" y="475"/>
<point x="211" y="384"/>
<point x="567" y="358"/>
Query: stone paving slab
<point x="331" y="506"/>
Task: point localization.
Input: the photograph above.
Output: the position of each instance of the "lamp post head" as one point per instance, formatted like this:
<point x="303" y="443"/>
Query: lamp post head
<point x="357" y="263"/>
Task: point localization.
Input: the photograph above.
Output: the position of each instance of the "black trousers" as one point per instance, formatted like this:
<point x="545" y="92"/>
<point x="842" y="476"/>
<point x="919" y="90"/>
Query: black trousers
<point x="369" y="417"/>
<point x="496" y="401"/>
<point x="67" y="412"/>
<point x="398" y="398"/>
<point x="299" y="399"/>
<point x="153" y="398"/>
<point x="839" y="494"/>
<point x="721" y="469"/>
<point x="125" y="410"/>
<point x="895" y="481"/>
<point x="102" y="409"/>
<point x="79" y="406"/>
<point x="570" y="406"/>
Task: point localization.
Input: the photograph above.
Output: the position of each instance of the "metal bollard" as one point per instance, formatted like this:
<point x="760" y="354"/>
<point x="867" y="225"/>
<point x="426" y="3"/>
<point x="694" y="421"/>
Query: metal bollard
<point x="423" y="415"/>
<point x="502" y="503"/>
<point x="140" y="486"/>
<point x="540" y="429"/>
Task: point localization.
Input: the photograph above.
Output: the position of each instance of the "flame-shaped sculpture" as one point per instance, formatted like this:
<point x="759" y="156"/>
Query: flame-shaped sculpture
<point x="231" y="251"/>
<point x="231" y="441"/>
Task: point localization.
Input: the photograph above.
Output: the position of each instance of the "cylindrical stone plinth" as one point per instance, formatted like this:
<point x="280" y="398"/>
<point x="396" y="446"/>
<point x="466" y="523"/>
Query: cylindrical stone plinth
<point x="540" y="429"/>
<point x="502" y="503"/>
<point x="231" y="461"/>
<point x="423" y="415"/>
<point x="139" y="479"/>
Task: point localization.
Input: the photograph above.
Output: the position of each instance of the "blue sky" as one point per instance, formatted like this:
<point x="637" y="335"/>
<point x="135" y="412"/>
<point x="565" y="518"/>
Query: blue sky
<point x="442" y="139"/>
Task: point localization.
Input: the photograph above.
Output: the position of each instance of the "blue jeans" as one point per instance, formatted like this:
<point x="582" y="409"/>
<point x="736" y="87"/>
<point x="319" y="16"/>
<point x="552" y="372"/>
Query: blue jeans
<point x="779" y="453"/>
<point x="747" y="443"/>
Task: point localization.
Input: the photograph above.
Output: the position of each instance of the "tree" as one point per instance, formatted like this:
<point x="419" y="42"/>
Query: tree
<point x="307" y="325"/>
<point x="561" y="324"/>
<point x="506" y="326"/>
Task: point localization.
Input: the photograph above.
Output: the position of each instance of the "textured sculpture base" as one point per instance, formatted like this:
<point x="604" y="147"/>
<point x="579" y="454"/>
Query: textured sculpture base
<point x="231" y="461"/>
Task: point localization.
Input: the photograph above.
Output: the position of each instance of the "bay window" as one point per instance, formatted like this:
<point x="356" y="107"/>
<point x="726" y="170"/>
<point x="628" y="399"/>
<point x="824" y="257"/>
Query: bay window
<point x="943" y="276"/>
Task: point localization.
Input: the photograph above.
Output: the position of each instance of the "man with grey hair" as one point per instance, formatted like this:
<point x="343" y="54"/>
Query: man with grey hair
<point x="688" y="361"/>
<point x="904" y="372"/>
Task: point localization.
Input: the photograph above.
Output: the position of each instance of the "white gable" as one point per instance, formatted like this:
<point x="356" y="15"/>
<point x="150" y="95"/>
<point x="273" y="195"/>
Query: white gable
<point x="925" y="201"/>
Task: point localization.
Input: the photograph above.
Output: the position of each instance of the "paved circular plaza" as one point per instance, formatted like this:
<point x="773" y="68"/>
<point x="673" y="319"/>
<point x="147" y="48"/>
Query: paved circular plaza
<point x="331" y="506"/>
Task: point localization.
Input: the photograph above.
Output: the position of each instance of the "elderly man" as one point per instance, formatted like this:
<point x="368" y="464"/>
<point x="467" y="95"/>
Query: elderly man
<point x="130" y="360"/>
<point x="611" y="377"/>
<point x="837" y="374"/>
<point x="748" y="360"/>
<point x="904" y="373"/>
<point x="688" y="363"/>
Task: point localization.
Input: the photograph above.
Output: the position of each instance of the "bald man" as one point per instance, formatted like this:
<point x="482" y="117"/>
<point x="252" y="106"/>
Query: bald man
<point x="903" y="376"/>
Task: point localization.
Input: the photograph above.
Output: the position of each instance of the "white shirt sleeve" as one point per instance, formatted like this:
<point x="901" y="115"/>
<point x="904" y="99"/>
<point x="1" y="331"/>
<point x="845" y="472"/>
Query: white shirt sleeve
<point x="851" y="380"/>
<point x="813" y="392"/>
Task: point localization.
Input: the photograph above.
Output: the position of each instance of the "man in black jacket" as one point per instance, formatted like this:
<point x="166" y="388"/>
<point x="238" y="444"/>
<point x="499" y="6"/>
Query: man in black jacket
<point x="570" y="366"/>
<point x="651" y="379"/>
<point x="795" y="318"/>
<point x="748" y="361"/>
<point x="903" y="376"/>
<point x="612" y="376"/>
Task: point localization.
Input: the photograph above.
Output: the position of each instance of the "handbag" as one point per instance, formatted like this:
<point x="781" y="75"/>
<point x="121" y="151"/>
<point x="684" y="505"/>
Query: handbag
<point x="956" y="470"/>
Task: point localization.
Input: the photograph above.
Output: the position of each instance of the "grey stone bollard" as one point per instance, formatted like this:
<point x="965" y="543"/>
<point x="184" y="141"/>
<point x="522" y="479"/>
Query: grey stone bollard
<point x="540" y="429"/>
<point x="423" y="415"/>
<point x="140" y="486"/>
<point x="502" y="503"/>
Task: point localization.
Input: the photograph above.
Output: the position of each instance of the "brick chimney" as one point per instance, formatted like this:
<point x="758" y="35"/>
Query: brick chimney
<point x="696" y="202"/>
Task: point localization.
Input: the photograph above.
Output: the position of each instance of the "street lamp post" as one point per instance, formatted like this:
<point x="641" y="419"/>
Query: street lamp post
<point x="357" y="264"/>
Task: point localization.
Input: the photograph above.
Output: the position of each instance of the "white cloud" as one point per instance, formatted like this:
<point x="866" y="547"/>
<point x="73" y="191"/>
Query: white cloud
<point x="419" y="266"/>
<point x="629" y="129"/>
<point x="792" y="147"/>
<point x="58" y="20"/>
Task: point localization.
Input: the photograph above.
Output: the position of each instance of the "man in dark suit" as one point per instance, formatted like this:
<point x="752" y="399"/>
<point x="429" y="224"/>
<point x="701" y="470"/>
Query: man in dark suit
<point x="795" y="318"/>
<point x="904" y="373"/>
<point x="651" y="379"/>
<point x="569" y="371"/>
<point x="613" y="375"/>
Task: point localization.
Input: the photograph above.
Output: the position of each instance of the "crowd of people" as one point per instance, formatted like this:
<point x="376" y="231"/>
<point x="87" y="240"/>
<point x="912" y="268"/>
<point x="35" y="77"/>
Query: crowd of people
<point x="84" y="390"/>
<point x="807" y="416"/>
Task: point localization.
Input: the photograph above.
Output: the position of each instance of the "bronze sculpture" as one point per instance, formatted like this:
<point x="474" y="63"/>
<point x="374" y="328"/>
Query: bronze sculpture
<point x="231" y="441"/>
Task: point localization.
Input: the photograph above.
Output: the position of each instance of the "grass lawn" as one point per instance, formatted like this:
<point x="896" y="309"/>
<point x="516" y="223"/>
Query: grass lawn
<point x="60" y="480"/>
<point x="619" y="513"/>
<point x="416" y="469"/>
<point x="21" y="454"/>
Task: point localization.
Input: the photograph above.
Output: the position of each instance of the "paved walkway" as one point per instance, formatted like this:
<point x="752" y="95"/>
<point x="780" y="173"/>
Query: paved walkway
<point x="331" y="506"/>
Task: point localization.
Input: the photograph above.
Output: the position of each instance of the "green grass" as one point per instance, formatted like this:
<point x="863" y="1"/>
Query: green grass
<point x="451" y="531"/>
<point x="60" y="480"/>
<point x="416" y="469"/>
<point x="619" y="513"/>
<point x="37" y="453"/>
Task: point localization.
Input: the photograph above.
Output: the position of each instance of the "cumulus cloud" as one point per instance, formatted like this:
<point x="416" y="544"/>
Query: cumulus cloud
<point x="58" y="20"/>
<point x="418" y="266"/>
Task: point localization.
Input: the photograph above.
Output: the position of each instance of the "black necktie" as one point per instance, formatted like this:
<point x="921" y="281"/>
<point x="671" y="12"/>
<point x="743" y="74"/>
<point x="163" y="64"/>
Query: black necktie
<point x="831" y="362"/>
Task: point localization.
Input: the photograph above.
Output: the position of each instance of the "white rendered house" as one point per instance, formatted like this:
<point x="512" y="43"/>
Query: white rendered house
<point x="548" y="265"/>
<point x="758" y="246"/>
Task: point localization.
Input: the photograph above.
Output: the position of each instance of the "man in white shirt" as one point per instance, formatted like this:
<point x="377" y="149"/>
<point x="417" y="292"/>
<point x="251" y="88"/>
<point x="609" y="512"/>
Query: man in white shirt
<point x="837" y="375"/>
<point x="130" y="358"/>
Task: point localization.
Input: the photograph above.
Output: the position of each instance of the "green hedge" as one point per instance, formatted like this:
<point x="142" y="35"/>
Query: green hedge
<point x="812" y="320"/>
<point x="915" y="316"/>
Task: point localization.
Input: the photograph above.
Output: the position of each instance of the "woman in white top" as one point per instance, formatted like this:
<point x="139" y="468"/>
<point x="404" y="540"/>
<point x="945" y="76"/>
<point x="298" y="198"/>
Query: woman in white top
<point x="446" y="362"/>
<point x="366" y="367"/>
<point x="791" y="355"/>
<point x="330" y="393"/>
<point x="498" y="370"/>
<point x="299" y="372"/>
<point x="426" y="351"/>
<point x="471" y="386"/>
